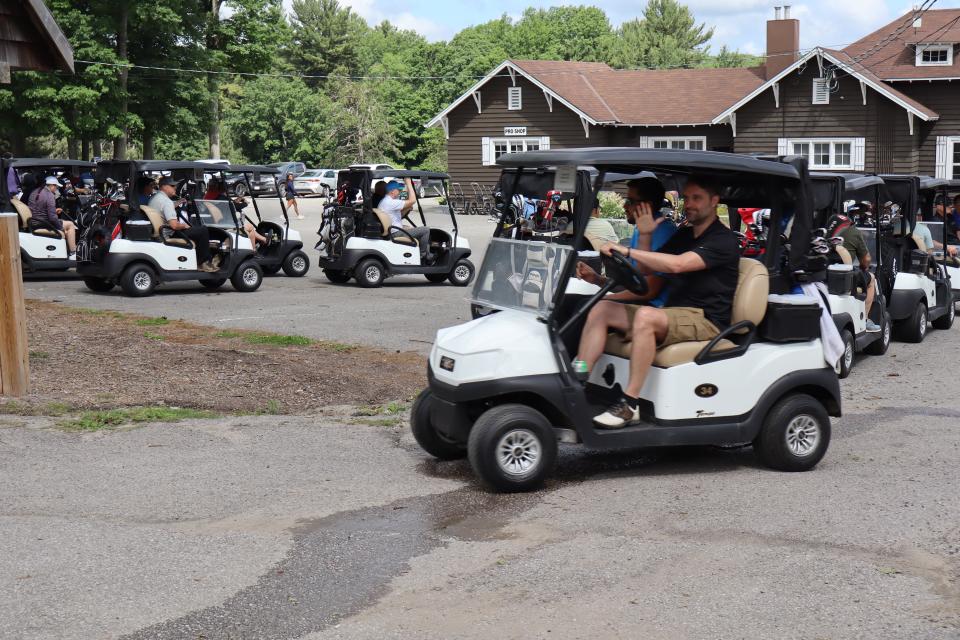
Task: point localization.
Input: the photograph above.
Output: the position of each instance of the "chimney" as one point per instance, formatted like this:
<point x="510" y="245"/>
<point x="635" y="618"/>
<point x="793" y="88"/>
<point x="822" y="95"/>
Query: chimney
<point x="783" y="41"/>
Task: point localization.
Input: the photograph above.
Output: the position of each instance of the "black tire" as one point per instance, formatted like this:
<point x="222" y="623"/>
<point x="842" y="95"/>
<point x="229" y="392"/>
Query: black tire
<point x="462" y="273"/>
<point x="271" y="269"/>
<point x="138" y="280"/>
<point x="879" y="347"/>
<point x="437" y="278"/>
<point x="849" y="351"/>
<point x="792" y="415"/>
<point x="479" y="311"/>
<point x="240" y="190"/>
<point x="296" y="264"/>
<point x="426" y="436"/>
<point x="213" y="284"/>
<point x="913" y="329"/>
<point x="99" y="285"/>
<point x="369" y="273"/>
<point x="336" y="276"/>
<point x="531" y="436"/>
<point x="944" y="322"/>
<point x="248" y="277"/>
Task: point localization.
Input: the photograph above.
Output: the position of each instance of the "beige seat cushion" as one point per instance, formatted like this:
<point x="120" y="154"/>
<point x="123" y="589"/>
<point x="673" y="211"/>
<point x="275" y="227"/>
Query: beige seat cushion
<point x="179" y="242"/>
<point x="158" y="221"/>
<point x="386" y="223"/>
<point x="23" y="211"/>
<point x="48" y="233"/>
<point x="845" y="257"/>
<point x="749" y="303"/>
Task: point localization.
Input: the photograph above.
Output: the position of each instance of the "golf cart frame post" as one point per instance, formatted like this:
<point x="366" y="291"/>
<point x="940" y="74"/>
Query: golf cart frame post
<point x="14" y="350"/>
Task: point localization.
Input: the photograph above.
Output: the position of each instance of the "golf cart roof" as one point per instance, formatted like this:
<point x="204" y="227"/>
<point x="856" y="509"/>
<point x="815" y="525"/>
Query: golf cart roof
<point x="851" y="181"/>
<point x="252" y="168"/>
<point x="625" y="160"/>
<point x="928" y="182"/>
<point x="25" y="163"/>
<point x="168" y="165"/>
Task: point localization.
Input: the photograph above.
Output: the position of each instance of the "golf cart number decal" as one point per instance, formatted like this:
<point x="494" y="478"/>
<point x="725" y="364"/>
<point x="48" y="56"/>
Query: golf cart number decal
<point x="706" y="390"/>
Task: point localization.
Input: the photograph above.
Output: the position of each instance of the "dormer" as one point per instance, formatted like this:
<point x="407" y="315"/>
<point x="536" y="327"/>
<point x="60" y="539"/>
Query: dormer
<point x="934" y="54"/>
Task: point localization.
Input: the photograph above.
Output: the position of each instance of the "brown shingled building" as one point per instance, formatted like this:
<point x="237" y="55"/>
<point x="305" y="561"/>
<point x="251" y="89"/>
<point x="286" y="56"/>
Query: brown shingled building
<point x="886" y="103"/>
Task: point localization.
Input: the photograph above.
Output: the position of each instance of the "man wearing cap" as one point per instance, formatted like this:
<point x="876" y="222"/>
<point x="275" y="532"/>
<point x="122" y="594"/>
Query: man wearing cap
<point x="162" y="201"/>
<point x="44" y="213"/>
<point x="396" y="209"/>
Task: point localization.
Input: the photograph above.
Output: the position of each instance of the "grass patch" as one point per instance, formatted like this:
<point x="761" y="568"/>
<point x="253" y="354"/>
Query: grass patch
<point x="56" y="409"/>
<point x="103" y="313"/>
<point x="152" y="322"/>
<point x="272" y="408"/>
<point x="379" y="422"/>
<point x="97" y="420"/>
<point x="228" y="334"/>
<point x="391" y="409"/>
<point x="339" y="347"/>
<point x="152" y="336"/>
<point x="14" y="408"/>
<point x="39" y="355"/>
<point x="273" y="339"/>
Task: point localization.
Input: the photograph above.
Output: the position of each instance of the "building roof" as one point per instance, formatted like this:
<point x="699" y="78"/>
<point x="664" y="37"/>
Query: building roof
<point x="620" y="97"/>
<point x="31" y="39"/>
<point x="889" y="52"/>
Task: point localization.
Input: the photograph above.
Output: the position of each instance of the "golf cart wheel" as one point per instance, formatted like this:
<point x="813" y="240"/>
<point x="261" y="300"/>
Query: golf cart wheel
<point x="213" y="284"/>
<point x="248" y="277"/>
<point x="296" y="264"/>
<point x="512" y="448"/>
<point x="845" y="363"/>
<point x="879" y="347"/>
<point x="946" y="321"/>
<point x="462" y="273"/>
<point x="914" y="329"/>
<point x="100" y="285"/>
<point x="427" y="437"/>
<point x="336" y="276"/>
<point x="795" y="434"/>
<point x="271" y="269"/>
<point x="436" y="278"/>
<point x="369" y="273"/>
<point x="138" y="280"/>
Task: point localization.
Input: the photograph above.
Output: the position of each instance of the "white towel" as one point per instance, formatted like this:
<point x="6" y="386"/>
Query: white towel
<point x="829" y="336"/>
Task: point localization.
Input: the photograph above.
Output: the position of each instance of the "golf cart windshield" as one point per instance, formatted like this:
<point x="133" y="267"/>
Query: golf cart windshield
<point x="520" y="275"/>
<point x="216" y="213"/>
<point x="870" y="239"/>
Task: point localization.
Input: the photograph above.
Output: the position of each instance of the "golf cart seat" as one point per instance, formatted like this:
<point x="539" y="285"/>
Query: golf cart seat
<point x="844" y="255"/>
<point x="749" y="303"/>
<point x="385" y="224"/>
<point x="158" y="222"/>
<point x="25" y="215"/>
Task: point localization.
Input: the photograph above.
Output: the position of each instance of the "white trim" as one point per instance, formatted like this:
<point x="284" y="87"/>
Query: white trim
<point x="650" y="141"/>
<point x="507" y="64"/>
<point x="945" y="78"/>
<point x="513" y="76"/>
<point x="785" y="146"/>
<point x="514" y="93"/>
<point x="879" y="88"/>
<point x="944" y="168"/>
<point x="549" y="100"/>
<point x="910" y="122"/>
<point x="489" y="151"/>
<point x="544" y="143"/>
<point x="476" y="99"/>
<point x="445" y="123"/>
<point x="859" y="154"/>
<point x="732" y="120"/>
<point x="776" y="94"/>
<point x="586" y="127"/>
<point x="485" y="152"/>
<point x="821" y="91"/>
<point x="863" y="91"/>
<point x="933" y="46"/>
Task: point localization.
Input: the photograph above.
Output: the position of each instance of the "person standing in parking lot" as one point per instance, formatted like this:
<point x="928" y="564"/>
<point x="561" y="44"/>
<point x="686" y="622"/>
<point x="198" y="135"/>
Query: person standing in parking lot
<point x="292" y="196"/>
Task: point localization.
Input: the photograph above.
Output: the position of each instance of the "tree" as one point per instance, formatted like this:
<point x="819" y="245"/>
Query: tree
<point x="728" y="58"/>
<point x="561" y="33"/>
<point x="357" y="127"/>
<point x="667" y="37"/>
<point x="325" y="38"/>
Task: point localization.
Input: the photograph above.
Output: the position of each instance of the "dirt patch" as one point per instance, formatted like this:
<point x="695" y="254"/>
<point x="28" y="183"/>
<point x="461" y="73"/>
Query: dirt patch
<point x="89" y="359"/>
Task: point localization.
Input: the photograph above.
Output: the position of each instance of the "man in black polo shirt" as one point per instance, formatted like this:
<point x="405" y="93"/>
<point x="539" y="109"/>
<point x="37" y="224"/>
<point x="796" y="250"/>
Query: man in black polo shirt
<point x="700" y="263"/>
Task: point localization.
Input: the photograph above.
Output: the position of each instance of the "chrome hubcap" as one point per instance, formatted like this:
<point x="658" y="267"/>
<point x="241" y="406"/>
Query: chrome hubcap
<point x="518" y="452"/>
<point x="372" y="273"/>
<point x="803" y="435"/>
<point x="461" y="273"/>
<point x="142" y="280"/>
<point x="250" y="277"/>
<point x="886" y="332"/>
<point x="299" y="264"/>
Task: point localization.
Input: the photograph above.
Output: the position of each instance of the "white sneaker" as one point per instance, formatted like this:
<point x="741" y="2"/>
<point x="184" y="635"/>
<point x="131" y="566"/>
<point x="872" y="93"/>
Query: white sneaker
<point x="617" y="416"/>
<point x="72" y="256"/>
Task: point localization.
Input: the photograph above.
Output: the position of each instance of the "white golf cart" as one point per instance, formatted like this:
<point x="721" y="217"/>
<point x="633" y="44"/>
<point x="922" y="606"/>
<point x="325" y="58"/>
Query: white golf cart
<point x="358" y="241"/>
<point x="932" y="192"/>
<point x="920" y="289"/>
<point x="502" y="390"/>
<point x="42" y="246"/>
<point x="847" y="303"/>
<point x="131" y="245"/>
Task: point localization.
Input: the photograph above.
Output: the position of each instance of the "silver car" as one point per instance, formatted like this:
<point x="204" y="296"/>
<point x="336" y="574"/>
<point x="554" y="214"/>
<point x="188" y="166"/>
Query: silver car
<point x="317" y="182"/>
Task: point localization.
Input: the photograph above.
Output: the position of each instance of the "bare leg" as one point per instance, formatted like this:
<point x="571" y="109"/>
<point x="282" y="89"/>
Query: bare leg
<point x="870" y="294"/>
<point x="604" y="316"/>
<point x="649" y="328"/>
<point x="70" y="233"/>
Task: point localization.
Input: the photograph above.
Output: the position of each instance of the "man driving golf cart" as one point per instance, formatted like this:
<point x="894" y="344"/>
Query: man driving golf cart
<point x="391" y="205"/>
<point x="163" y="202"/>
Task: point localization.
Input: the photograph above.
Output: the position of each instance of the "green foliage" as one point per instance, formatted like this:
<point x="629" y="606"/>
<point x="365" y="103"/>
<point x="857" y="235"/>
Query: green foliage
<point x="97" y="420"/>
<point x="153" y="322"/>
<point x="666" y="37"/>
<point x="326" y="38"/>
<point x="611" y="205"/>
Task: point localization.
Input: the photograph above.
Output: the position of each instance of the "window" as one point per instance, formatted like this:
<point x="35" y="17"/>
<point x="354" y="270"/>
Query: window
<point x="514" y="98"/>
<point x="821" y="91"/>
<point x="841" y="154"/>
<point x="697" y="143"/>
<point x="938" y="55"/>
<point x="493" y="148"/>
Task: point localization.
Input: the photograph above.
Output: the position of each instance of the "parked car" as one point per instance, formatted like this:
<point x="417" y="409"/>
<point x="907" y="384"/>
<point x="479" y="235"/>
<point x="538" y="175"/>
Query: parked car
<point x="430" y="188"/>
<point x="296" y="168"/>
<point x="317" y="182"/>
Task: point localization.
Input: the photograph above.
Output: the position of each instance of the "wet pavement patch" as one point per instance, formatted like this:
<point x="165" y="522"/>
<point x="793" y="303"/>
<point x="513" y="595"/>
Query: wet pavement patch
<point x="341" y="564"/>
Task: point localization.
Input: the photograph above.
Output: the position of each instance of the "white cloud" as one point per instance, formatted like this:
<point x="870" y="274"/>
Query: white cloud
<point x="429" y="29"/>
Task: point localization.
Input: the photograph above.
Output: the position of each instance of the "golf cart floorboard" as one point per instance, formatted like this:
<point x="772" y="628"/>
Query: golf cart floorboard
<point x="866" y="338"/>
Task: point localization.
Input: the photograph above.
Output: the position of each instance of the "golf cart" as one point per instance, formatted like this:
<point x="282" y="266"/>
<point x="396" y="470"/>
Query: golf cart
<point x="285" y="250"/>
<point x="131" y="245"/>
<point x="502" y="390"/>
<point x="932" y="192"/>
<point x="42" y="246"/>
<point x="920" y="289"/>
<point x="848" y="304"/>
<point x="357" y="241"/>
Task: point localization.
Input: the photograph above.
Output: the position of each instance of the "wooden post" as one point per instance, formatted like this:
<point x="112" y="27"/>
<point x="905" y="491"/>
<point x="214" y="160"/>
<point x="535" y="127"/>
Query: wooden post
<point x="14" y="354"/>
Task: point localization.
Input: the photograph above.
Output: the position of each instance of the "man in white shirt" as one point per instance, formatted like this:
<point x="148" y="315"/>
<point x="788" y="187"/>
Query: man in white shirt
<point x="393" y="206"/>
<point x="162" y="201"/>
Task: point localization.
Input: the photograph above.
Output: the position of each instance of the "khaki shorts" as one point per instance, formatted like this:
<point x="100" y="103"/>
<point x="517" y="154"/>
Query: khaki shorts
<point x="684" y="324"/>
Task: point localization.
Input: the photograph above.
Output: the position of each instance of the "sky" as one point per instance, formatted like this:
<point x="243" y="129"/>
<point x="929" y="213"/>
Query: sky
<point x="739" y="24"/>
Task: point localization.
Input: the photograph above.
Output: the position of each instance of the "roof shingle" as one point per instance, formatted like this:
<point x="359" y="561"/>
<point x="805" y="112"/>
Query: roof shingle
<point x="896" y="60"/>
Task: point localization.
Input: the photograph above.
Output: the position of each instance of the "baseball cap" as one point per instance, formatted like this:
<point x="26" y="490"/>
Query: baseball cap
<point x="167" y="180"/>
<point x="52" y="180"/>
<point x="393" y="184"/>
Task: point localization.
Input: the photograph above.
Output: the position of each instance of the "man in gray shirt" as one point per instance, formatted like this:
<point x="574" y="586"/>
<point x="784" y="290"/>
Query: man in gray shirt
<point x="43" y="210"/>
<point x="162" y="201"/>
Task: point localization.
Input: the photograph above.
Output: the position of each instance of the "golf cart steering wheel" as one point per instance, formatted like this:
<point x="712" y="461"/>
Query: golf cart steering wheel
<point x="625" y="273"/>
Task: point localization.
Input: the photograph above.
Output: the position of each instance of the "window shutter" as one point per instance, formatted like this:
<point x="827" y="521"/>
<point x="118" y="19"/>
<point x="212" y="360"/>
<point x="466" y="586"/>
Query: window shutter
<point x="485" y="153"/>
<point x="783" y="147"/>
<point x="544" y="143"/>
<point x="821" y="92"/>
<point x="514" y="98"/>
<point x="859" y="153"/>
<point x="942" y="146"/>
<point x="643" y="142"/>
